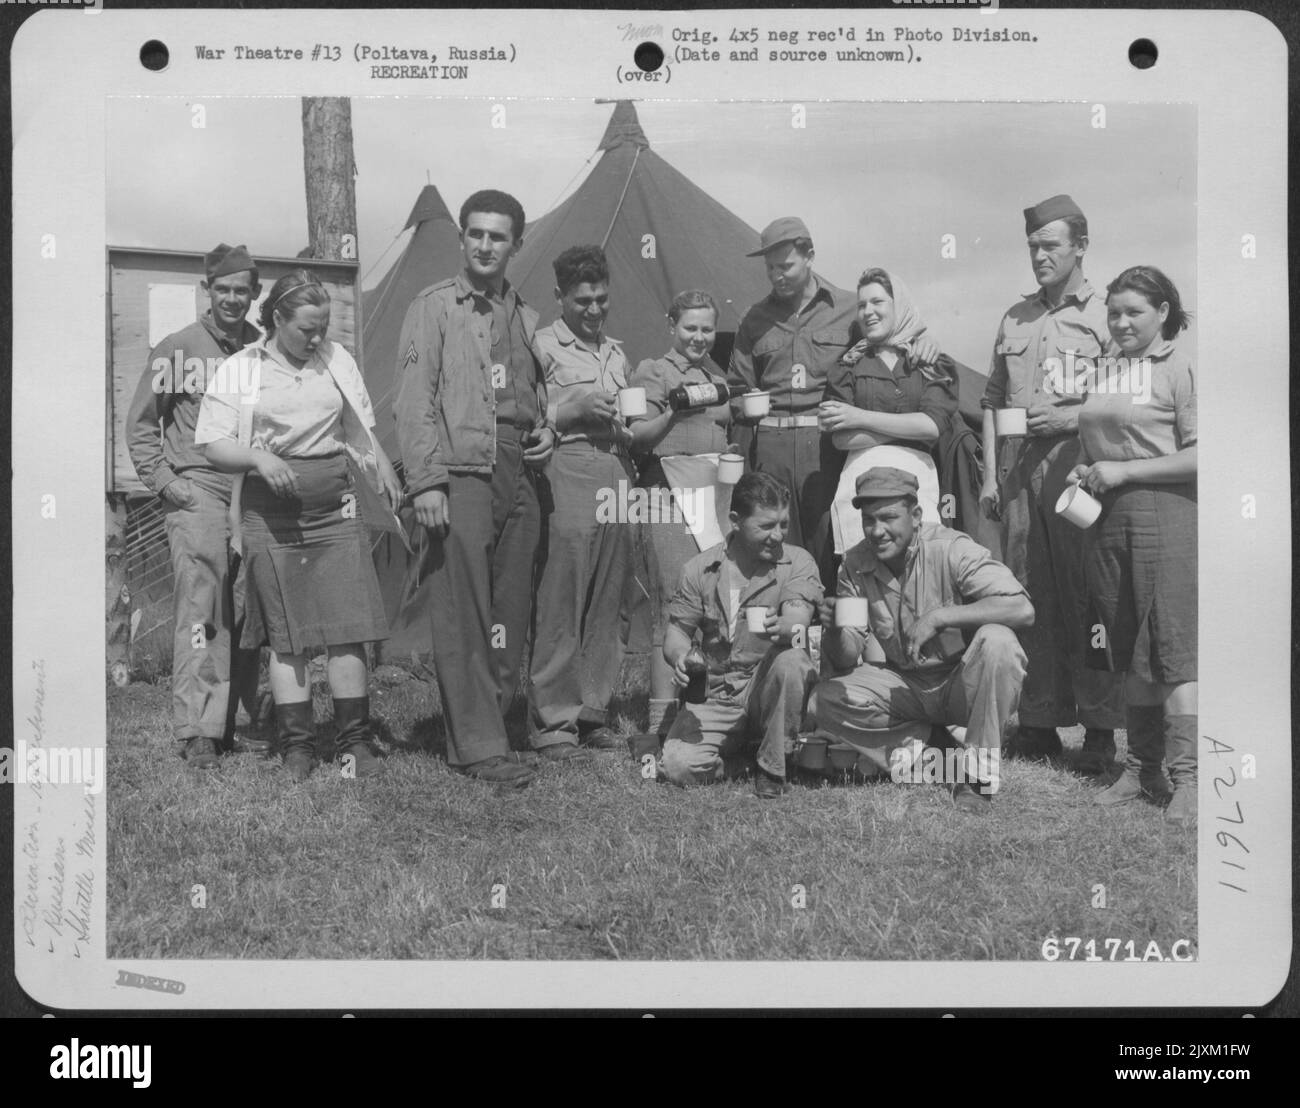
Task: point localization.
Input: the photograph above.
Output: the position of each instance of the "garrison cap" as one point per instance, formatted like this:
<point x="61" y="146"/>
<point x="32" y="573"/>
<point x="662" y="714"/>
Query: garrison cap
<point x="1054" y="207"/>
<point x="884" y="483"/>
<point x="780" y="231"/>
<point x="225" y="259"/>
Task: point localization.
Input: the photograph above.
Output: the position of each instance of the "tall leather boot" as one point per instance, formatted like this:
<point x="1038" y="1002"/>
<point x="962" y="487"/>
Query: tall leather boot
<point x="1180" y="744"/>
<point x="352" y="718"/>
<point x="296" y="725"/>
<point x="1143" y="766"/>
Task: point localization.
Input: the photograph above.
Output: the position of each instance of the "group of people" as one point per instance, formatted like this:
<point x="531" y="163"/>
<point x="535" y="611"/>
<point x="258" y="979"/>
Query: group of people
<point x="512" y="437"/>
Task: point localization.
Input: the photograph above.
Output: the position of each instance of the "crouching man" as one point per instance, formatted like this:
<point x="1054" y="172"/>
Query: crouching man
<point x="924" y="586"/>
<point x="758" y="680"/>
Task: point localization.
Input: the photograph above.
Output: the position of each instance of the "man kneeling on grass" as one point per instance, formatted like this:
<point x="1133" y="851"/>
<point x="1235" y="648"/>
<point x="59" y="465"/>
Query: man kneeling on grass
<point x="924" y="585"/>
<point x="758" y="681"/>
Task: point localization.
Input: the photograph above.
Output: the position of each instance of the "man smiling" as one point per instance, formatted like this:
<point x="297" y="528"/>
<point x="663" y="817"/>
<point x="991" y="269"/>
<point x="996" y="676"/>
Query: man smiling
<point x="577" y="649"/>
<point x="758" y="682"/>
<point x="210" y="674"/>
<point x="926" y="587"/>
<point x="788" y="345"/>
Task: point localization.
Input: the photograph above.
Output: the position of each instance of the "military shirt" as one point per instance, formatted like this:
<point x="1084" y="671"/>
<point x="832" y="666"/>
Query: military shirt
<point x="775" y="341"/>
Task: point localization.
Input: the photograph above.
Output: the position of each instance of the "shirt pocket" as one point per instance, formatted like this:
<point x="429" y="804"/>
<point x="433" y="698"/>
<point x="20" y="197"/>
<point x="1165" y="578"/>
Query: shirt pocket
<point x="1075" y="352"/>
<point x="772" y="341"/>
<point x="563" y="375"/>
<point x="829" y="344"/>
<point x="832" y="336"/>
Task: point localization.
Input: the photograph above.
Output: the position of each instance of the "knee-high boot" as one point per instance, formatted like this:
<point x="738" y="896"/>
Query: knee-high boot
<point x="1180" y="745"/>
<point x="296" y="725"/>
<point x="352" y="718"/>
<point x="1143" y="766"/>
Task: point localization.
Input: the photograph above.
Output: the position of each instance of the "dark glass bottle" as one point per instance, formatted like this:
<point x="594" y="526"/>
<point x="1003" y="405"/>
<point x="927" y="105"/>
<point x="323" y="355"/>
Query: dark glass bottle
<point x="697" y="689"/>
<point x="690" y="397"/>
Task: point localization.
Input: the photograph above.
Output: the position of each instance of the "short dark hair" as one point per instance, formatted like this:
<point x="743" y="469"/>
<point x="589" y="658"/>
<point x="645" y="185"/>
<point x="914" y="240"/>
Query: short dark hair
<point x="689" y="301"/>
<point x="495" y="202"/>
<point x="758" y="490"/>
<point x="804" y="246"/>
<point x="1078" y="227"/>
<point x="1157" y="289"/>
<point x="875" y="276"/>
<point x="581" y="265"/>
<point x="288" y="294"/>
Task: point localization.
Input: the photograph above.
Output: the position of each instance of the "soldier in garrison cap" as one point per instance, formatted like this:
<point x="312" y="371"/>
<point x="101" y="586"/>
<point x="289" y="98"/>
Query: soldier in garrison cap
<point x="929" y="589"/>
<point x="1036" y="366"/>
<point x="788" y="345"/>
<point x="211" y="675"/>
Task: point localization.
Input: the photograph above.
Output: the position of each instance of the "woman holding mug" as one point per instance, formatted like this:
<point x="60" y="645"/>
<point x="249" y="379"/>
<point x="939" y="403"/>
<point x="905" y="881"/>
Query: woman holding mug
<point x="686" y="441"/>
<point x="887" y="401"/>
<point x="1137" y="430"/>
<point x="292" y="416"/>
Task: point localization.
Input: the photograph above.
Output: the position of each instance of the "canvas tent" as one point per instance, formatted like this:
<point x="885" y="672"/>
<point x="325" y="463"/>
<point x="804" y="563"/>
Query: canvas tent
<point x="431" y="255"/>
<point x="695" y="243"/>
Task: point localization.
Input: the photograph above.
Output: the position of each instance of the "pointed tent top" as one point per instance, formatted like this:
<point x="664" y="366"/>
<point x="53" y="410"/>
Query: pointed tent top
<point x="428" y="206"/>
<point x="624" y="127"/>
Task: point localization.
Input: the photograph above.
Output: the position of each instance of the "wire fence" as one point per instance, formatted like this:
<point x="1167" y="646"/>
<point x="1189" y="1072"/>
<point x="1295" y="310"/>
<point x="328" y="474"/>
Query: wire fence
<point x="149" y="582"/>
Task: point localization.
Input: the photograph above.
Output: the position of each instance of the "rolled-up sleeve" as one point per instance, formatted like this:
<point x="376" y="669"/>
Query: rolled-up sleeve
<point x="803" y="583"/>
<point x="417" y="408"/>
<point x="995" y="392"/>
<point x="686" y="609"/>
<point x="844" y="645"/>
<point x="547" y="348"/>
<point x="651" y="375"/>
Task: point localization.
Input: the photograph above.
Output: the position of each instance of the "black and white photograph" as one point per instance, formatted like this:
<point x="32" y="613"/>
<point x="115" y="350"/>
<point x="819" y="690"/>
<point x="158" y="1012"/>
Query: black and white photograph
<point x="596" y="526"/>
<point x="908" y="628"/>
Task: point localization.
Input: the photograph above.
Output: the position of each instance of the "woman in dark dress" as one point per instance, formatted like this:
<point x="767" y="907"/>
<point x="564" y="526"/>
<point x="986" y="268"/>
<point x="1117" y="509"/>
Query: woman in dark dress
<point x="884" y="405"/>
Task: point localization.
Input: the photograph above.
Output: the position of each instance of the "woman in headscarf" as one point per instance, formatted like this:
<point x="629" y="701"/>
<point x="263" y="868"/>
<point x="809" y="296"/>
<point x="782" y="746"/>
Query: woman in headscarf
<point x="292" y="415"/>
<point x="882" y="406"/>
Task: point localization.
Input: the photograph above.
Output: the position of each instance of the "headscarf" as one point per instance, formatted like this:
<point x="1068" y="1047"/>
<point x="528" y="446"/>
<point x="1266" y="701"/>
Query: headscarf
<point x="908" y="326"/>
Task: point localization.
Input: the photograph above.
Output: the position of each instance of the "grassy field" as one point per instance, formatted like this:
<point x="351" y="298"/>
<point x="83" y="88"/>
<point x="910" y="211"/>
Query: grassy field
<point x="596" y="862"/>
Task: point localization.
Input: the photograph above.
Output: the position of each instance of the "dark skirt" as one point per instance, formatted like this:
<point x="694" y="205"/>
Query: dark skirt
<point x="311" y="579"/>
<point x="1142" y="581"/>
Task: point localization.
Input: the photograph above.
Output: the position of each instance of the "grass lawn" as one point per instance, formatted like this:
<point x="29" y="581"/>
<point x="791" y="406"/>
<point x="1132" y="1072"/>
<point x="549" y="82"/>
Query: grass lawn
<point x="598" y="863"/>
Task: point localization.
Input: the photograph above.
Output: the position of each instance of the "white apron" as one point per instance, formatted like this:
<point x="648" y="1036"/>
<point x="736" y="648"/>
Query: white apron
<point x="704" y="504"/>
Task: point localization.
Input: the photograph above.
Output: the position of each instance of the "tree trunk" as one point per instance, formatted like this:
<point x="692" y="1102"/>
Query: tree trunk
<point x="330" y="173"/>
